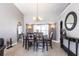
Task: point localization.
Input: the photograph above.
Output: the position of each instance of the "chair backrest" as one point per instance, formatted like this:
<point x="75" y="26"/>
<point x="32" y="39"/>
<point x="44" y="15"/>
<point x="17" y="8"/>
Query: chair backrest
<point x="35" y="33"/>
<point x="30" y="36"/>
<point x="51" y="36"/>
<point x="39" y="36"/>
<point x="1" y="42"/>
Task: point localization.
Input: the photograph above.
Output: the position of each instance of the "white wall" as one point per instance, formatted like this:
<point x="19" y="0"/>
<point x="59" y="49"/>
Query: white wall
<point x="69" y="8"/>
<point x="9" y="15"/>
<point x="46" y="19"/>
<point x="75" y="32"/>
<point x="72" y="7"/>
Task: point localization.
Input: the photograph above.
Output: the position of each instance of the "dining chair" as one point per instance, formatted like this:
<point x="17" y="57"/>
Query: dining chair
<point x="49" y="40"/>
<point x="24" y="41"/>
<point x="39" y="40"/>
<point x="46" y="42"/>
<point x="30" y="40"/>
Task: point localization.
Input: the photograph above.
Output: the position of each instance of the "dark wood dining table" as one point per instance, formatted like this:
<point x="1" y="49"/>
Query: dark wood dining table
<point x="45" y="38"/>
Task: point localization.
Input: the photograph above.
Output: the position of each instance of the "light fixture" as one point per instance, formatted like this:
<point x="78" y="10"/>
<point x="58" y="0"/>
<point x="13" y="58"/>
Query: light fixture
<point x="34" y="18"/>
<point x="37" y="18"/>
<point x="29" y="26"/>
<point x="40" y="18"/>
<point x="52" y="26"/>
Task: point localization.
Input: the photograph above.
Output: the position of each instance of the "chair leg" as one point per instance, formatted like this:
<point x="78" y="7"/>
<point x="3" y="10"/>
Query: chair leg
<point x="25" y="44"/>
<point x="46" y="46"/>
<point x="43" y="47"/>
<point x="51" y="44"/>
<point x="28" y="45"/>
<point x="36" y="46"/>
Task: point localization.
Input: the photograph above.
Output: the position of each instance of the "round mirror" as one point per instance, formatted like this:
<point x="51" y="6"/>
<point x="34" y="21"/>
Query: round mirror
<point x="71" y="20"/>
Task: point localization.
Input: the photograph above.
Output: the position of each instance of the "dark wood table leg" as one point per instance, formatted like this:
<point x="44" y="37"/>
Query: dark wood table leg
<point x="46" y="46"/>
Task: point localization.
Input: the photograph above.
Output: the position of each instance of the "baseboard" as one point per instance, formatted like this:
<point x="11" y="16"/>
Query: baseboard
<point x="14" y="44"/>
<point x="56" y="41"/>
<point x="11" y="46"/>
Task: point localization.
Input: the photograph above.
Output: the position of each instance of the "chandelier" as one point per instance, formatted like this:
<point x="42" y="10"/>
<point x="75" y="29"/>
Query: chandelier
<point x="37" y="17"/>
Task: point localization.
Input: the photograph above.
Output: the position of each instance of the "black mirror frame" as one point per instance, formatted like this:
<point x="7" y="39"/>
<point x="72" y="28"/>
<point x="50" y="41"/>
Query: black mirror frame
<point x="75" y="20"/>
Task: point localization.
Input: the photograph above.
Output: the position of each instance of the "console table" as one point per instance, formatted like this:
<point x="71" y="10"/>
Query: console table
<point x="67" y="46"/>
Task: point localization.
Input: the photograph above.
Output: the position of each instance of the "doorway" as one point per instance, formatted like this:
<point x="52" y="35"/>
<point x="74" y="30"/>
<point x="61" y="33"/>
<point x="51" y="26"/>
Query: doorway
<point x="19" y="32"/>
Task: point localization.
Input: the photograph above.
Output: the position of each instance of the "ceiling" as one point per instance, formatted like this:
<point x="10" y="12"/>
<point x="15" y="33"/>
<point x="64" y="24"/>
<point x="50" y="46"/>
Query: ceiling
<point x="50" y="10"/>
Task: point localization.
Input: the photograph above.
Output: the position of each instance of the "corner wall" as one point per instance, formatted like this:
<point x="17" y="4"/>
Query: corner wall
<point x="72" y="7"/>
<point x="9" y="15"/>
<point x="75" y="32"/>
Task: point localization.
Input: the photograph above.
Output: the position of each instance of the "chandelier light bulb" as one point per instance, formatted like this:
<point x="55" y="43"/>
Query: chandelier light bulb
<point x="40" y="18"/>
<point x="34" y="18"/>
<point x="37" y="18"/>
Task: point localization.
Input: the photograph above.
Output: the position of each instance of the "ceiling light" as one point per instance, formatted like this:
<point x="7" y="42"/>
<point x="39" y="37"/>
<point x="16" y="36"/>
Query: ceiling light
<point x="34" y="18"/>
<point x="40" y="18"/>
<point x="37" y="18"/>
<point x="52" y="26"/>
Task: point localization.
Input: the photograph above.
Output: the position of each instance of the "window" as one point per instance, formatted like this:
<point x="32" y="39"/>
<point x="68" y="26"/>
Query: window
<point x="19" y="29"/>
<point x="41" y="28"/>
